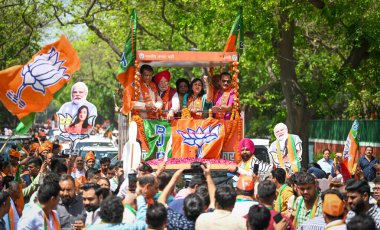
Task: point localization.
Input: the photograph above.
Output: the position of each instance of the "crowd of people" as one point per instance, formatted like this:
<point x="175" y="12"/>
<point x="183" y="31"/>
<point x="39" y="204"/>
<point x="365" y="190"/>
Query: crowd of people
<point x="157" y="99"/>
<point x="42" y="191"/>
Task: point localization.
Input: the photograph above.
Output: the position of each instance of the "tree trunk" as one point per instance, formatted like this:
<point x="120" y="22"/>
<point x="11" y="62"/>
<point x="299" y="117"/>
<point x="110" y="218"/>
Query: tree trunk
<point x="298" y="115"/>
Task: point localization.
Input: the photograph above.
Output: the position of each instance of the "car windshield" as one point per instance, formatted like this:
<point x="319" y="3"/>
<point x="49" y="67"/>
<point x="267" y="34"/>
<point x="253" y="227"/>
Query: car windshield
<point x="99" y="154"/>
<point x="93" y="144"/>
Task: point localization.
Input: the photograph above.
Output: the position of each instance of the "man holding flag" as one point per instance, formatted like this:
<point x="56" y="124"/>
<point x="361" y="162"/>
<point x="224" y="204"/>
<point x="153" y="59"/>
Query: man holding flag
<point x="126" y="70"/>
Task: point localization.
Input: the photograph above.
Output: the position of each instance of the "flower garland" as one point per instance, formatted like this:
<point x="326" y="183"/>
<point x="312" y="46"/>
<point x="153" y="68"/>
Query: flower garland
<point x="140" y="126"/>
<point x="235" y="124"/>
<point x="137" y="81"/>
<point x="185" y="113"/>
<point x="165" y="98"/>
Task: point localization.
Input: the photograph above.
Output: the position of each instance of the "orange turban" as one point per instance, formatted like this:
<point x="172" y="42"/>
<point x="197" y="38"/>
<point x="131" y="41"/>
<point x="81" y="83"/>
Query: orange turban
<point x="49" y="144"/>
<point x="34" y="147"/>
<point x="43" y="147"/>
<point x="163" y="74"/>
<point x="14" y="153"/>
<point x="89" y="155"/>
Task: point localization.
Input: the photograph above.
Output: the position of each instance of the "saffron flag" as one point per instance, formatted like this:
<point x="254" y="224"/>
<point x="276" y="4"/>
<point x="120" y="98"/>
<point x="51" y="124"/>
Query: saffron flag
<point x="197" y="138"/>
<point x="27" y="89"/>
<point x="351" y="148"/>
<point x="235" y="41"/>
<point x="126" y="70"/>
<point x="157" y="135"/>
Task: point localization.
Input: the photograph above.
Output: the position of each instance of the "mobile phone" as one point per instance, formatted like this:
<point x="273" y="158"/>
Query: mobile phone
<point x="256" y="169"/>
<point x="277" y="218"/>
<point x="132" y="182"/>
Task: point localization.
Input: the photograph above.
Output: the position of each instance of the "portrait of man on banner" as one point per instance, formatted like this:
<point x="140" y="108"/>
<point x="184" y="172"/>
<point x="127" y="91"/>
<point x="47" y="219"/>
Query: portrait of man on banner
<point x="77" y="117"/>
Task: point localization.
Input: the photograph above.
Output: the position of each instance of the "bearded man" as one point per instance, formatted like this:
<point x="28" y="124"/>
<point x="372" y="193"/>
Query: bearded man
<point x="70" y="208"/>
<point x="170" y="100"/>
<point x="247" y="159"/>
<point x="286" y="150"/>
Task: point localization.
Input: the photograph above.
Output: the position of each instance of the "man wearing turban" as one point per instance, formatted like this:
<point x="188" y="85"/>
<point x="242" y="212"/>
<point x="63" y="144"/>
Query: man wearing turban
<point x="286" y="150"/>
<point x="247" y="160"/>
<point x="43" y="150"/>
<point x="170" y="103"/>
<point x="90" y="160"/>
<point x="33" y="148"/>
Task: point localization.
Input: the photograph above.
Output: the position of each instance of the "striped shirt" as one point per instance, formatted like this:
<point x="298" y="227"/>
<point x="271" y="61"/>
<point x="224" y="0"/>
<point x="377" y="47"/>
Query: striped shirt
<point x="317" y="223"/>
<point x="373" y="212"/>
<point x="303" y="214"/>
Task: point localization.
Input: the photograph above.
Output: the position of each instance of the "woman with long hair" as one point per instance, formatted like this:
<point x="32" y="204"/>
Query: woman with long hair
<point x="80" y="124"/>
<point x="197" y="100"/>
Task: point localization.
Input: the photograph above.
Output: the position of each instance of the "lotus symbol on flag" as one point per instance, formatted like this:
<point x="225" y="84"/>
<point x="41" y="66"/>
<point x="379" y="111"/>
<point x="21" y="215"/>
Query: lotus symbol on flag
<point x="200" y="136"/>
<point x="45" y="70"/>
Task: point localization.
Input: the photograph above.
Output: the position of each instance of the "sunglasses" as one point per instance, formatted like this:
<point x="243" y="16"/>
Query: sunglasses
<point x="226" y="81"/>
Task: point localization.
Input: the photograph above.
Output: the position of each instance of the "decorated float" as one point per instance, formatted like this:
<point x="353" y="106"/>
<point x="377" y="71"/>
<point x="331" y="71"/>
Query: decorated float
<point x="178" y="142"/>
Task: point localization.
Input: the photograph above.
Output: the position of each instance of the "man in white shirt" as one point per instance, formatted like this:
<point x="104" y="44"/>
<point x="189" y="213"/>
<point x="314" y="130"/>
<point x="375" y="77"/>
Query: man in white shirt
<point x="149" y="101"/>
<point x="92" y="198"/>
<point x="35" y="217"/>
<point x="326" y="163"/>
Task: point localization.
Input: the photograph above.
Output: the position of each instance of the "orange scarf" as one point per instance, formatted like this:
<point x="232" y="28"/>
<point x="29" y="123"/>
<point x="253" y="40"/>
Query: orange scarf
<point x="195" y="105"/>
<point x="166" y="99"/>
<point x="147" y="97"/>
<point x="56" y="225"/>
<point x="223" y="102"/>
<point x="11" y="218"/>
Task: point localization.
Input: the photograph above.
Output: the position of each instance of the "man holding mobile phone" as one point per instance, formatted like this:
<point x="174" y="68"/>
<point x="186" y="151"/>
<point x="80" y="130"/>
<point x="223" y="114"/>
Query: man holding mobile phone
<point x="266" y="195"/>
<point x="249" y="164"/>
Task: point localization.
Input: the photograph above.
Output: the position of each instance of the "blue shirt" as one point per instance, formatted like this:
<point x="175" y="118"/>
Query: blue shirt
<point x="326" y="166"/>
<point x="367" y="167"/>
<point x="177" y="221"/>
<point x="177" y="205"/>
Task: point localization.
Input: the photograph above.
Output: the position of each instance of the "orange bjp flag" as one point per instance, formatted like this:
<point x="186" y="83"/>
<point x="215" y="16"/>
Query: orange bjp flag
<point x="30" y="88"/>
<point x="197" y="138"/>
<point x="351" y="148"/>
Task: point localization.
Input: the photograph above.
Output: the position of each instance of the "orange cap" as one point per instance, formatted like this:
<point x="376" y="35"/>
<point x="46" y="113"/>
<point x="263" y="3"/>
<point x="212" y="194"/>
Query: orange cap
<point x="14" y="153"/>
<point x="43" y="147"/>
<point x="245" y="183"/>
<point x="89" y="155"/>
<point x="34" y="147"/>
<point x="49" y="144"/>
<point x="333" y="205"/>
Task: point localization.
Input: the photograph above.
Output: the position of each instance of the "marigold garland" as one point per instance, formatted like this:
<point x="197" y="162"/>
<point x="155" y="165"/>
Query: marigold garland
<point x="185" y="113"/>
<point x="137" y="81"/>
<point x="235" y="123"/>
<point x="140" y="126"/>
<point x="165" y="98"/>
